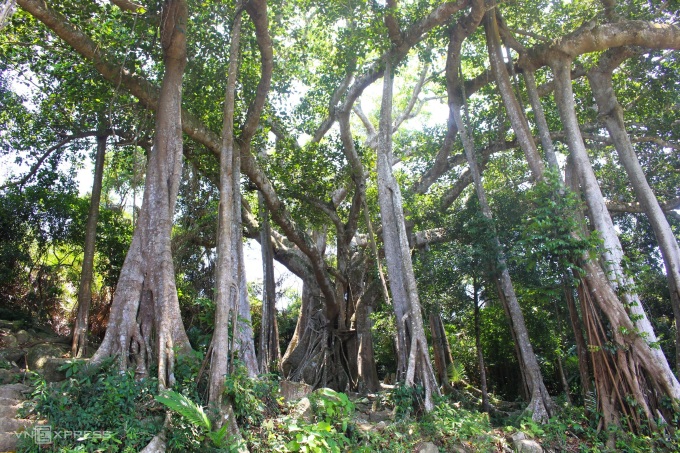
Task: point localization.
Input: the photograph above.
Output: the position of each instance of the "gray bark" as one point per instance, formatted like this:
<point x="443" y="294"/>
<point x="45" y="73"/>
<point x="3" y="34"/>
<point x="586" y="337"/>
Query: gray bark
<point x="401" y="277"/>
<point x="611" y="113"/>
<point x="227" y="275"/>
<point x="145" y="307"/>
<point x="638" y="334"/>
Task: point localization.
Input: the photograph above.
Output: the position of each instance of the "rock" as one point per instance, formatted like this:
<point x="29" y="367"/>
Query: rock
<point x="7" y="376"/>
<point x="426" y="447"/>
<point x="303" y="410"/>
<point x="9" y="408"/>
<point x="528" y="446"/>
<point x="380" y="416"/>
<point x="518" y="436"/>
<point x="9" y="341"/>
<point x="292" y="391"/>
<point x="14" y="391"/>
<point x="8" y="441"/>
<point x="22" y="336"/>
<point x="522" y="444"/>
<point x="50" y="370"/>
<point x="37" y="356"/>
<point x="16" y="355"/>
<point x="381" y="426"/>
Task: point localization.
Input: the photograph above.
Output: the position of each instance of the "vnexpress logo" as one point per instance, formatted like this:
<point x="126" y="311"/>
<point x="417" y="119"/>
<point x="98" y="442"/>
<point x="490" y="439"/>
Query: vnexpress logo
<point x="42" y="435"/>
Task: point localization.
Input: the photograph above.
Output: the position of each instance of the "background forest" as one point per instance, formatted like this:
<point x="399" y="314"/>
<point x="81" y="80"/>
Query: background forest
<point x="480" y="199"/>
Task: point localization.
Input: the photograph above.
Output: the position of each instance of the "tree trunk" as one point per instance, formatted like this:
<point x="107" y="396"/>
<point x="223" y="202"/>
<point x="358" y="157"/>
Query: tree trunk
<point x="611" y="112"/>
<point x="270" y="353"/>
<point x="399" y="266"/>
<point x="478" y="345"/>
<point x="145" y="308"/>
<point x="367" y="373"/>
<point x="581" y="346"/>
<point x="442" y="351"/>
<point x="79" y="342"/>
<point x="634" y="369"/>
<point x="540" y="404"/>
<point x="612" y="254"/>
<point x="515" y="112"/>
<point x="227" y="275"/>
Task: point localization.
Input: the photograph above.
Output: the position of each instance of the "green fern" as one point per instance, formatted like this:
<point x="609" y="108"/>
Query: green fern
<point x="456" y="372"/>
<point x="186" y="408"/>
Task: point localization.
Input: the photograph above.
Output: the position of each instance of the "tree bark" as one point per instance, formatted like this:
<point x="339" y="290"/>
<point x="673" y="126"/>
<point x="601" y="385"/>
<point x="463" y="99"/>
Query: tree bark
<point x="612" y="253"/>
<point x="515" y="112"/>
<point x="402" y="279"/>
<point x="270" y="353"/>
<point x="227" y="275"/>
<point x="540" y="404"/>
<point x="635" y="369"/>
<point x="486" y="407"/>
<point x="442" y="351"/>
<point x="79" y="342"/>
<point x="145" y="308"/>
<point x="611" y="113"/>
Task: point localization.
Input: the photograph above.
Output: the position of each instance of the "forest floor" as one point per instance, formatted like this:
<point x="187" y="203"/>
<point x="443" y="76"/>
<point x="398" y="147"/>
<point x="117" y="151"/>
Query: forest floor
<point x="35" y="372"/>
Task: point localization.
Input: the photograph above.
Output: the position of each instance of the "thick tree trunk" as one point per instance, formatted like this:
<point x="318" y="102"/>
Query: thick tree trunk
<point x="367" y="374"/>
<point x="635" y="369"/>
<point x="270" y="352"/>
<point x="145" y="308"/>
<point x="611" y="113"/>
<point x="79" y="342"/>
<point x="612" y="253"/>
<point x="402" y="279"/>
<point x="540" y="404"/>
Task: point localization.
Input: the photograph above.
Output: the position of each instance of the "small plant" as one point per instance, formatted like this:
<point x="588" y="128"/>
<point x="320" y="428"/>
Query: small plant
<point x="253" y="399"/>
<point x="407" y="400"/>
<point x="193" y="413"/>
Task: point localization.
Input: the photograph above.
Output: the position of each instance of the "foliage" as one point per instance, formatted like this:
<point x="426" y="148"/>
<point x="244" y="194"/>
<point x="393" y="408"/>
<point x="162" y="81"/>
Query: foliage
<point x="195" y="415"/>
<point x="253" y="399"/>
<point x="114" y="408"/>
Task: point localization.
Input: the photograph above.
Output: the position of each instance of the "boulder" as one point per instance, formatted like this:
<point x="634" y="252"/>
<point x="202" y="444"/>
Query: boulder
<point x="522" y="444"/>
<point x="9" y="341"/>
<point x="14" y="391"/>
<point x="293" y="391"/>
<point x="426" y="447"/>
<point x="22" y="336"/>
<point x="51" y="369"/>
<point x="303" y="410"/>
<point x="7" y="376"/>
<point x="15" y="355"/>
<point x="37" y="356"/>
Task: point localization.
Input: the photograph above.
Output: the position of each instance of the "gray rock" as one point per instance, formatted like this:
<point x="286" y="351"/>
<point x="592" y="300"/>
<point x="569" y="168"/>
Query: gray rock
<point x="522" y="444"/>
<point x="528" y="446"/>
<point x="426" y="447"/>
<point x="7" y="376"/>
<point x="50" y="370"/>
<point x="15" y="355"/>
<point x="37" y="356"/>
<point x="380" y="416"/>
<point x="8" y="441"/>
<point x="303" y="410"/>
<point x="293" y="391"/>
<point x="14" y="391"/>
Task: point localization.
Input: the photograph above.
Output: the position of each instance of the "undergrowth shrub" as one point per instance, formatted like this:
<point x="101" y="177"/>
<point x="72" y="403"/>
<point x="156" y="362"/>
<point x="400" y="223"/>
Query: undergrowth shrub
<point x="96" y="409"/>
